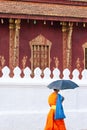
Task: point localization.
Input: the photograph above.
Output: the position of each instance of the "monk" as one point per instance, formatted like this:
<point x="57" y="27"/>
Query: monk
<point x="52" y="122"/>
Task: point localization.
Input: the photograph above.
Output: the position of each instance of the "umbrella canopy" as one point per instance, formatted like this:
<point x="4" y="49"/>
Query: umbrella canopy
<point x="62" y="84"/>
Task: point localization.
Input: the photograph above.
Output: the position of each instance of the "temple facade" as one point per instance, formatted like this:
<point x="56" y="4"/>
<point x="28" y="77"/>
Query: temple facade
<point x="35" y="33"/>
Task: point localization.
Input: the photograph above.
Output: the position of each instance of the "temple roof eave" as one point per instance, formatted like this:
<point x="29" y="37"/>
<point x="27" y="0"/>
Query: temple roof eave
<point x="43" y="11"/>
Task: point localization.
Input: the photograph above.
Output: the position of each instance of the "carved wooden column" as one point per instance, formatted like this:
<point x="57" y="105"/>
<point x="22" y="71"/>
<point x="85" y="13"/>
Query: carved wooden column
<point x="16" y="43"/>
<point x="64" y="33"/>
<point x="11" y="42"/>
<point x="69" y="47"/>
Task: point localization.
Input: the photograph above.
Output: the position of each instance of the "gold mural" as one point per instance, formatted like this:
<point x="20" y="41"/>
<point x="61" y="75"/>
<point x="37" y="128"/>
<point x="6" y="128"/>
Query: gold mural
<point x="56" y="62"/>
<point x="64" y="37"/>
<point x="11" y="42"/>
<point x="67" y="29"/>
<point x="69" y="46"/>
<point x="14" y="27"/>
<point x="78" y="64"/>
<point x="24" y="60"/>
<point x="2" y="61"/>
<point x="84" y="46"/>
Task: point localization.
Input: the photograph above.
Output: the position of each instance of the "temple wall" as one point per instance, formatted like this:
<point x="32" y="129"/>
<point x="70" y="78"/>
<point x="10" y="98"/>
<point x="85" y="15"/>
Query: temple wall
<point x="78" y="39"/>
<point x="24" y="105"/>
<point x="54" y="34"/>
<point x="51" y="32"/>
<point x="4" y="41"/>
<point x="29" y="30"/>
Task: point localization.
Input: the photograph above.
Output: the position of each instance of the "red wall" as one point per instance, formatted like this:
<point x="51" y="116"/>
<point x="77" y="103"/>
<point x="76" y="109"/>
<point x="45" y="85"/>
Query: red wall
<point x="53" y="33"/>
<point x="4" y="41"/>
<point x="78" y="39"/>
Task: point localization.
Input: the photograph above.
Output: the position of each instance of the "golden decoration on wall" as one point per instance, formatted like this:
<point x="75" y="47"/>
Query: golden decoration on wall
<point x="56" y="62"/>
<point x="40" y="52"/>
<point x="67" y="29"/>
<point x="14" y="27"/>
<point x="84" y="46"/>
<point x="64" y="40"/>
<point x="2" y="61"/>
<point x="24" y="60"/>
<point x="78" y="64"/>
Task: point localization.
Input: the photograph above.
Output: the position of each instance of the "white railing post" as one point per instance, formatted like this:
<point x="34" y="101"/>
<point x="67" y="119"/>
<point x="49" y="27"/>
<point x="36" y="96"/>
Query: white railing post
<point x="66" y="74"/>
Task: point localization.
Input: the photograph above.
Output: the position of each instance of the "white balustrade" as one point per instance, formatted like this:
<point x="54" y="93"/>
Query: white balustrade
<point x="46" y="78"/>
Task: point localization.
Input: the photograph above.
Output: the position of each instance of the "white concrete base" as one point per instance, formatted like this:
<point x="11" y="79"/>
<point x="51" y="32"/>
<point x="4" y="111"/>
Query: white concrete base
<point x="26" y="107"/>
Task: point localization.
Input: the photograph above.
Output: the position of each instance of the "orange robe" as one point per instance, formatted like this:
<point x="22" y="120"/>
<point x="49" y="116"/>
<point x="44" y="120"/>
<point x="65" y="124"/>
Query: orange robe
<point x="51" y="123"/>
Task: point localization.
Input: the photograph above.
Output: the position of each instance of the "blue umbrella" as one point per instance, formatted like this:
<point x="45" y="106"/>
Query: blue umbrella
<point x="62" y="84"/>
